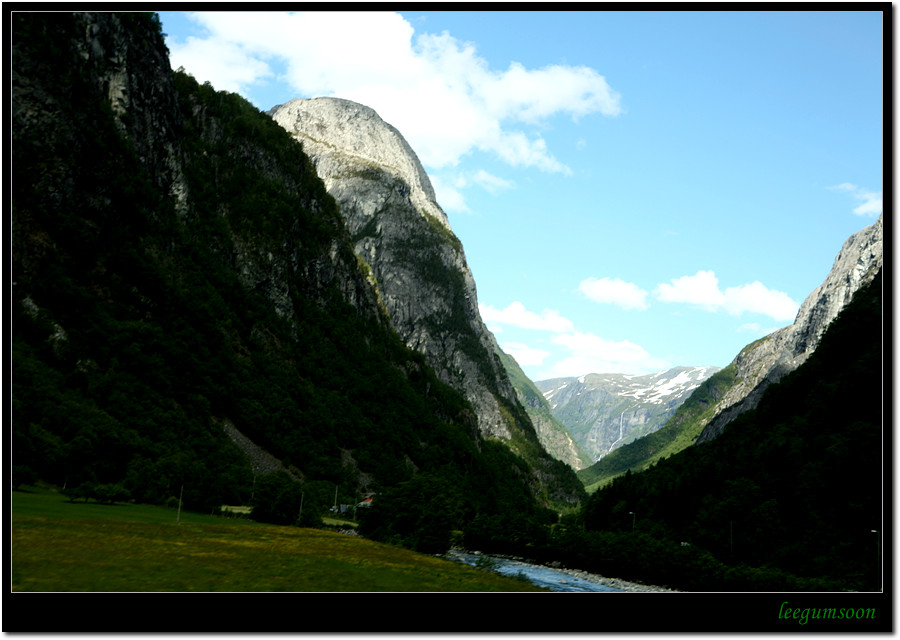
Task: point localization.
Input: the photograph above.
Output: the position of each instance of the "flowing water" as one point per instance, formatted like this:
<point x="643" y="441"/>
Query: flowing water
<point x="541" y="576"/>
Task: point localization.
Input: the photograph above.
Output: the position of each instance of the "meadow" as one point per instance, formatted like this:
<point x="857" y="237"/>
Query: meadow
<point x="62" y="546"/>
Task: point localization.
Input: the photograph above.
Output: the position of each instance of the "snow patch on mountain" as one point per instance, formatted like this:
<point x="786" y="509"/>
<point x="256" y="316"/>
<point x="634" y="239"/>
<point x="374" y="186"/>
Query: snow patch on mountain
<point x="603" y="411"/>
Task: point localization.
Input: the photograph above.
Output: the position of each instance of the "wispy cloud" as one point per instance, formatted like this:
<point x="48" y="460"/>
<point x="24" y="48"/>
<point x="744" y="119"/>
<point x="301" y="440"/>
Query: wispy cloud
<point x="756" y="328"/>
<point x="436" y="89"/>
<point x="573" y="352"/>
<point x="702" y="290"/>
<point x="526" y="356"/>
<point x="590" y="353"/>
<point x="871" y="206"/>
<point x="614" y="291"/>
<point x="490" y="182"/>
<point x="448" y="194"/>
<point x="449" y="187"/>
<point x="518" y="316"/>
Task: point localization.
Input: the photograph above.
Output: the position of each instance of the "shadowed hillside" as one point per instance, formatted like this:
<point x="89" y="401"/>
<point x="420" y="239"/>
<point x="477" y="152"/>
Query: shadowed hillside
<point x="185" y="292"/>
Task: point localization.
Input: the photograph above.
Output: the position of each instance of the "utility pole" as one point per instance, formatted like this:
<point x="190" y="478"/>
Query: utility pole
<point x="633" y="518"/>
<point x="877" y="551"/>
<point x="180" y="496"/>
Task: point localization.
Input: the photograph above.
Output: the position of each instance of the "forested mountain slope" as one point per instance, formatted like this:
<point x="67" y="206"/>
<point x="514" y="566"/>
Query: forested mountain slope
<point x="798" y="483"/>
<point x="679" y="432"/>
<point x="739" y="386"/>
<point x="183" y="284"/>
<point x="552" y="433"/>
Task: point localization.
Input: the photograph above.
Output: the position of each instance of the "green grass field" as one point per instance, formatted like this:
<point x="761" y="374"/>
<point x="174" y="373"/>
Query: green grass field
<point x="59" y="546"/>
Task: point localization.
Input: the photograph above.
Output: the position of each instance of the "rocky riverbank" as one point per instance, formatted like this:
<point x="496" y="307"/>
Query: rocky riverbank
<point x="615" y="583"/>
<point x="551" y="574"/>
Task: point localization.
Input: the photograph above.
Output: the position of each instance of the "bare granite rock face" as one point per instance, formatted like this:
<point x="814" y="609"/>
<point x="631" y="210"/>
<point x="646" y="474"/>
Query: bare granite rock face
<point x="419" y="270"/>
<point x="768" y="360"/>
<point x="401" y="232"/>
<point x="362" y="139"/>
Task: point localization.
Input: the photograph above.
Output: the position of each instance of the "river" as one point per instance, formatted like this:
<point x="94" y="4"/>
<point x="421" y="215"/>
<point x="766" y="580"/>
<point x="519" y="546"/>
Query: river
<point x="553" y="579"/>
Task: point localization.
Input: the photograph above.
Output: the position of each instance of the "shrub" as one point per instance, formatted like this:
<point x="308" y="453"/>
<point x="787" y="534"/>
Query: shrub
<point x="82" y="491"/>
<point x="110" y="493"/>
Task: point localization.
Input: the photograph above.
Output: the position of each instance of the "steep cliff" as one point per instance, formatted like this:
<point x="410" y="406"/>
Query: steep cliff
<point x="552" y="433"/>
<point x="188" y="309"/>
<point x="404" y="236"/>
<point x="768" y="360"/>
<point x="401" y="233"/>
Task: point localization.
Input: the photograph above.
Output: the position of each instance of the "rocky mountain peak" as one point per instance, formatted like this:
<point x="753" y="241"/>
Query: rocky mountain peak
<point x="363" y="137"/>
<point x="418" y="266"/>
<point x="400" y="231"/>
<point x="855" y="265"/>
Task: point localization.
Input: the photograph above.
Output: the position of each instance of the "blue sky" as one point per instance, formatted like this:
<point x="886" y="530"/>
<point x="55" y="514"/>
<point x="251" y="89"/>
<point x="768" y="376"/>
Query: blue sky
<point x="633" y="190"/>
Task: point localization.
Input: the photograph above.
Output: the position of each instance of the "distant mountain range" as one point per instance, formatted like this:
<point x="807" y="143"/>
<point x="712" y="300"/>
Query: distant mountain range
<point x="604" y="411"/>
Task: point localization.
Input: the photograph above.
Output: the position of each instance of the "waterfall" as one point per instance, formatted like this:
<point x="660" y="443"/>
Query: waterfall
<point x="620" y="433"/>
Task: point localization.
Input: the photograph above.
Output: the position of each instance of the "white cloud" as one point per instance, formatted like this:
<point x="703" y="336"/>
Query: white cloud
<point x="491" y="183"/>
<point x="448" y="195"/>
<point x="449" y="187"/>
<point x="518" y="316"/>
<point x="522" y="93"/>
<point x="872" y="202"/>
<point x="232" y="67"/>
<point x="872" y="205"/>
<point x="614" y="291"/>
<point x="526" y="356"/>
<point x="702" y="290"/>
<point x="756" y="328"/>
<point x="517" y="150"/>
<point x="757" y="298"/>
<point x="593" y="354"/>
<point x="437" y="90"/>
